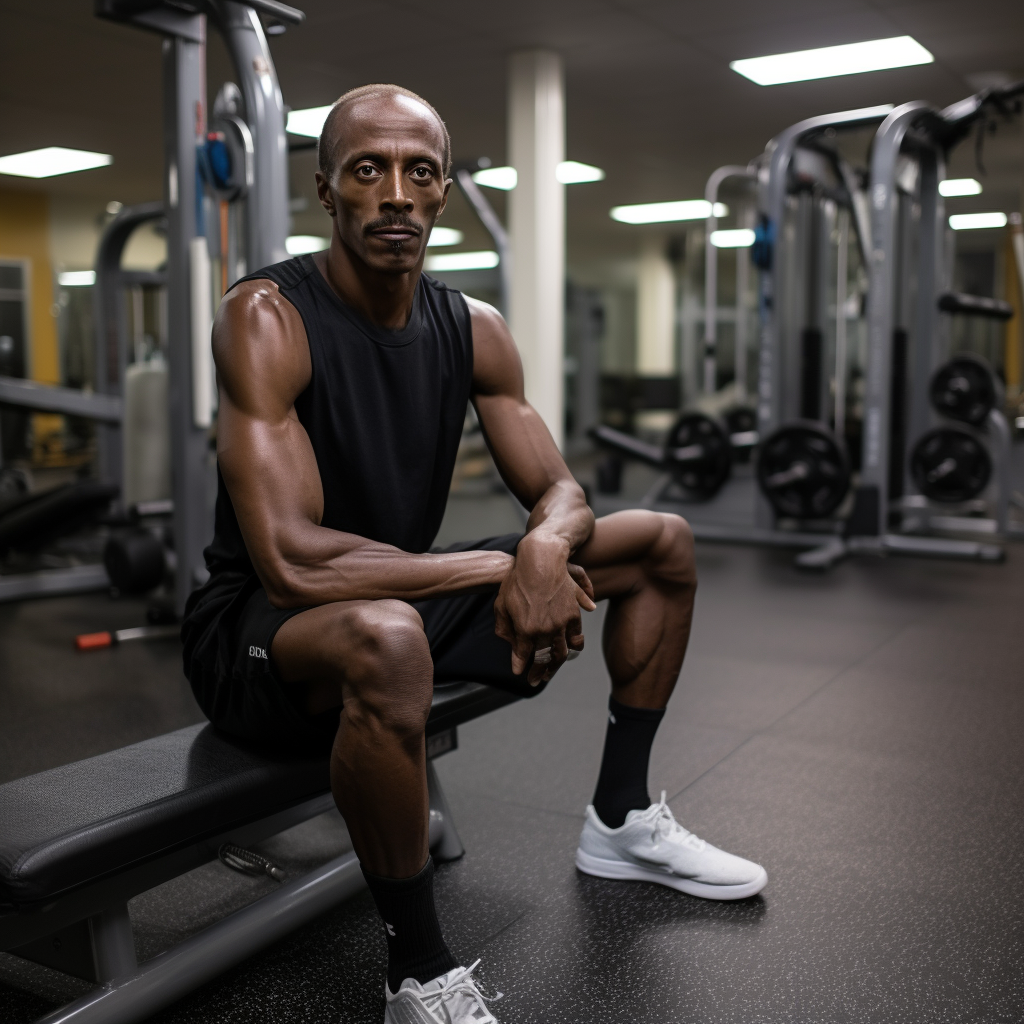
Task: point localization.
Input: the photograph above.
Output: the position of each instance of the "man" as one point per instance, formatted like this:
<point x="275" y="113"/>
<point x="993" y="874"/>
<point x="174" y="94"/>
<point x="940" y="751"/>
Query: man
<point x="344" y="379"/>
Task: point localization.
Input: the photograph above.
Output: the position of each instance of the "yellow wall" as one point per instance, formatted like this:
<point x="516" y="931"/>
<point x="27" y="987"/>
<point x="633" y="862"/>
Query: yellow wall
<point x="25" y="234"/>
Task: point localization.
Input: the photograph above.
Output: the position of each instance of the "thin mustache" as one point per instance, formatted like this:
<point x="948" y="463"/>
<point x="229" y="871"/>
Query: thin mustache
<point x="392" y="222"/>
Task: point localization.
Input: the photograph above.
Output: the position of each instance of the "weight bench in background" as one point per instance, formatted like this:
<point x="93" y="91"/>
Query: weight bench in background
<point x="79" y="841"/>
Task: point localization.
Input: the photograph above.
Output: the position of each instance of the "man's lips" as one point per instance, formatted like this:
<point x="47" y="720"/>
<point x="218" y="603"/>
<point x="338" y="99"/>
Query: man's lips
<point x="395" y="233"/>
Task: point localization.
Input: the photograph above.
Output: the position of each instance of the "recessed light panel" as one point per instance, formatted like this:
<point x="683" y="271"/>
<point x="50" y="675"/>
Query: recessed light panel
<point x="444" y="236"/>
<point x="483" y="260"/>
<point x="297" y="245"/>
<point x="960" y="187"/>
<point x="504" y="178"/>
<point x="975" y="221"/>
<point x="76" y="278"/>
<point x="308" y="122"/>
<point x="571" y="172"/>
<point x="54" y="160"/>
<point x="832" y="61"/>
<point x="658" y="213"/>
<point x="733" y="238"/>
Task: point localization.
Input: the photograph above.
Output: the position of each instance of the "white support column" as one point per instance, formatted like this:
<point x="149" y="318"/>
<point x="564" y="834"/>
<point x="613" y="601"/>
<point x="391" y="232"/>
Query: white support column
<point x="536" y="137"/>
<point x="655" y="311"/>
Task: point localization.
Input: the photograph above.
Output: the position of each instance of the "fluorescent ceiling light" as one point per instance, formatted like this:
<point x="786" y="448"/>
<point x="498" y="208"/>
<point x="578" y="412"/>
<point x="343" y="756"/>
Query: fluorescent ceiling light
<point x="308" y="122"/>
<point x="864" y="112"/>
<point x="462" y="261"/>
<point x="831" y="61"/>
<point x="444" y="236"/>
<point x="296" y="245"/>
<point x="657" y="213"/>
<point x="960" y="187"/>
<point x="972" y="221"/>
<point x="76" y="278"/>
<point x="504" y="178"/>
<point x="45" y="163"/>
<point x="735" y="238"/>
<point x="570" y="172"/>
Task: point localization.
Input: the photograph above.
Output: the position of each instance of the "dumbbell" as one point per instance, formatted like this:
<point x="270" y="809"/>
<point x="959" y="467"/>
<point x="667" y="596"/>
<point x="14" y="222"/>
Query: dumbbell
<point x="803" y="470"/>
<point x="698" y="452"/>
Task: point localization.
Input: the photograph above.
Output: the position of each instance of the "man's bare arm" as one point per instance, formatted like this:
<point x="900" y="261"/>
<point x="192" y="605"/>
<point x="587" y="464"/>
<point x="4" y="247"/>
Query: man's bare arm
<point x="521" y="444"/>
<point x="268" y="465"/>
<point x="538" y="604"/>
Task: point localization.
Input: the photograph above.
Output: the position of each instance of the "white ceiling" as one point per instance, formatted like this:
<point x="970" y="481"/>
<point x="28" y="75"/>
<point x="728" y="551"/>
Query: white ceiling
<point x="650" y="97"/>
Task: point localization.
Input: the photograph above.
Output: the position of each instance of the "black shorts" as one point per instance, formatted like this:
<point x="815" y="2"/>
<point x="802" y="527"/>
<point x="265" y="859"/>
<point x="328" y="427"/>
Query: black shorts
<point x="230" y="626"/>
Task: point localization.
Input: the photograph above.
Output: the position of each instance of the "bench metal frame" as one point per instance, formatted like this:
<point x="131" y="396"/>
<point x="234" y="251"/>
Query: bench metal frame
<point x="88" y="933"/>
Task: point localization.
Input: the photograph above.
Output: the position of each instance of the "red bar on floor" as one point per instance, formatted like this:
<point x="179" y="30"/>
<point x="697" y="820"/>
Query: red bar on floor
<point x="93" y="641"/>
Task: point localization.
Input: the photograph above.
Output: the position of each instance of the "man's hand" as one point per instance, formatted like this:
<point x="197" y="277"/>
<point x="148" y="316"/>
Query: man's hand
<point x="538" y="606"/>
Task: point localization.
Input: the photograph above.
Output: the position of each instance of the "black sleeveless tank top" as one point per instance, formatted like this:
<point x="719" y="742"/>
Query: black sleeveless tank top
<point x="384" y="412"/>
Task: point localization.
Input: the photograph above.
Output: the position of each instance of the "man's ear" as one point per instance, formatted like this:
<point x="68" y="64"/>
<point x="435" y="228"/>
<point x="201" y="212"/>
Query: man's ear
<point x="444" y="197"/>
<point x="323" y="191"/>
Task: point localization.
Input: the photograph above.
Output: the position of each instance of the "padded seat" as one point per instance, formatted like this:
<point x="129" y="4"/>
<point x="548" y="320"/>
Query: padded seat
<point x="74" y="825"/>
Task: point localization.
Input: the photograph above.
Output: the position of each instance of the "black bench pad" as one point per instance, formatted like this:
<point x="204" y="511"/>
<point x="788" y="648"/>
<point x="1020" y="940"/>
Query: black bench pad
<point x="74" y="825"/>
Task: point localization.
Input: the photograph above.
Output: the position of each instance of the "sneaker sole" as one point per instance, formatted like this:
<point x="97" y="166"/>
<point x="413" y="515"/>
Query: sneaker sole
<point x="623" y="871"/>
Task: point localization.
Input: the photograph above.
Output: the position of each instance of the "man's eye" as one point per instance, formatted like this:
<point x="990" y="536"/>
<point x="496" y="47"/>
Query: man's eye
<point x="366" y="171"/>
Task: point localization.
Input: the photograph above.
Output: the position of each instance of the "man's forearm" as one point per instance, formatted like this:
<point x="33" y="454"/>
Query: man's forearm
<point x="562" y="517"/>
<point x="330" y="567"/>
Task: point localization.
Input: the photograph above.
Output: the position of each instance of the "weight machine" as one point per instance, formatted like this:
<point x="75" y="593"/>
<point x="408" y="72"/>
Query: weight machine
<point x="809" y="208"/>
<point x="226" y="194"/>
<point x="907" y="343"/>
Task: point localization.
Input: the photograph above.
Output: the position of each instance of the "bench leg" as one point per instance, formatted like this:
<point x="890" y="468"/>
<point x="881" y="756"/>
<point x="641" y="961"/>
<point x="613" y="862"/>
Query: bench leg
<point x="445" y="843"/>
<point x="167" y="977"/>
<point x="113" y="944"/>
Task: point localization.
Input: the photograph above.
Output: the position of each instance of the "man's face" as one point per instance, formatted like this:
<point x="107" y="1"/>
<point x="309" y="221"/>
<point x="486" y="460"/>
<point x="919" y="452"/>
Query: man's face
<point x="388" y="186"/>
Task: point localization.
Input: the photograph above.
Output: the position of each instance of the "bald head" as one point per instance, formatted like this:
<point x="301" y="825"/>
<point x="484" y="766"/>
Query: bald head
<point x="333" y="132"/>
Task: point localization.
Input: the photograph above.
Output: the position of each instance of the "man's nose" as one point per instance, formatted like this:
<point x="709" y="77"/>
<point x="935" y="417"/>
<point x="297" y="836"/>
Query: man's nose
<point x="395" y="196"/>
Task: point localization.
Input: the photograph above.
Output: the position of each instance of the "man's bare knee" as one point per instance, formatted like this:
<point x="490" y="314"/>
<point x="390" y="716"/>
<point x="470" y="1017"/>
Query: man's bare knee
<point x="671" y="558"/>
<point x="389" y="671"/>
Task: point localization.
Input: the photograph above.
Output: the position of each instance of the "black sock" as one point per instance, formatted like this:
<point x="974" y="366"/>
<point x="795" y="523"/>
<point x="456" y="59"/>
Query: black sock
<point x="622" y="783"/>
<point x="416" y="947"/>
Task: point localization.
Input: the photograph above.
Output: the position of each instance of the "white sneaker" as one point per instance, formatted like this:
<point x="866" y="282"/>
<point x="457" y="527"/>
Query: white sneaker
<point x="451" y="999"/>
<point x="653" y="847"/>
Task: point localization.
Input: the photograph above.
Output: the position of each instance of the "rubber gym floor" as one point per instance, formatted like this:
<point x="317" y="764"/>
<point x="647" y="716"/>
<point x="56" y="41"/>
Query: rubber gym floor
<point x="858" y="733"/>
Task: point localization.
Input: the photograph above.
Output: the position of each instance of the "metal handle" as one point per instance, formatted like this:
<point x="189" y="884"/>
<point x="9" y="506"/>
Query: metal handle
<point x="277" y="10"/>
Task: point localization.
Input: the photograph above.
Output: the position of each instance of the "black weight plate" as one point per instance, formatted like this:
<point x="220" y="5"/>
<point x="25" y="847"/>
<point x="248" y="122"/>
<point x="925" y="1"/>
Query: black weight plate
<point x="702" y="474"/>
<point x="964" y="389"/>
<point x="950" y="465"/>
<point x="803" y="471"/>
<point x="740" y="419"/>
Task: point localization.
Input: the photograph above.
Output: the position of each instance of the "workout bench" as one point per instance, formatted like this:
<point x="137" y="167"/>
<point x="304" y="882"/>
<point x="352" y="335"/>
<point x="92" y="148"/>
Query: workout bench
<point x="79" y="841"/>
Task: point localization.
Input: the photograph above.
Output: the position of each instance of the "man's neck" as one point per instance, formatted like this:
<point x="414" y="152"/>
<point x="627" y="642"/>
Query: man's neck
<point x="384" y="299"/>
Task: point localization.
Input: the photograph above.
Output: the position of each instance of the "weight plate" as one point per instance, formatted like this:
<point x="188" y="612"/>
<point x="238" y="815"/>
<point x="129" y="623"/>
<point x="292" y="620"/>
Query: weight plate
<point x="698" y="454"/>
<point x="964" y="389"/>
<point x="950" y="465"/>
<point x="740" y="419"/>
<point x="803" y="471"/>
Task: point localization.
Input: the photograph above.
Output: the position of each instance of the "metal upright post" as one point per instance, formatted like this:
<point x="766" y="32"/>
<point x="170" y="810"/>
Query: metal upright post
<point x="774" y="187"/>
<point x="485" y="212"/>
<point x="110" y="327"/>
<point x="266" y="205"/>
<point x="184" y="64"/>
<point x="871" y="509"/>
<point x="710" y="365"/>
<point x="925" y="355"/>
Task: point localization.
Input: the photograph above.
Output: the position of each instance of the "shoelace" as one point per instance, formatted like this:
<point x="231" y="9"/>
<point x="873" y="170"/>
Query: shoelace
<point x="664" y="824"/>
<point x="459" y="983"/>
